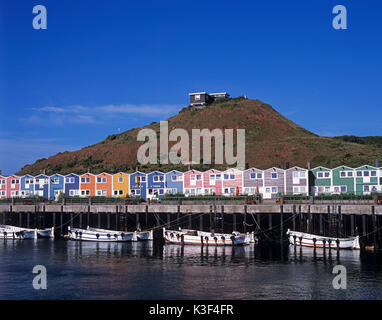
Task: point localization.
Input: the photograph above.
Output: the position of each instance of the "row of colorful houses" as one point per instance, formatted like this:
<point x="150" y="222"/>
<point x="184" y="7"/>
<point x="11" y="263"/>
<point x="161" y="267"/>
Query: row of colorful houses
<point x="269" y="183"/>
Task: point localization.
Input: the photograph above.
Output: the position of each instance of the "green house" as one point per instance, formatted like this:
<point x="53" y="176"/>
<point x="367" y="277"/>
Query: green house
<point x="366" y="181"/>
<point x="343" y="180"/>
<point x="321" y="180"/>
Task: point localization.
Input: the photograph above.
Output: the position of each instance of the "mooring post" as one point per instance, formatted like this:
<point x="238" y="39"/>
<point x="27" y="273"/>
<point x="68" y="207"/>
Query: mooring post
<point x="99" y="220"/>
<point x="178" y="215"/>
<point x="20" y="219"/>
<point x="270" y="221"/>
<point x="301" y="220"/>
<point x="43" y="217"/>
<point x="339" y="224"/>
<point x="309" y="220"/>
<point x="329" y="222"/>
<point x="245" y="219"/>
<point x="321" y="226"/>
<point x="61" y="220"/>
<point x="222" y="218"/>
<point x="80" y="218"/>
<point x="374" y="227"/>
<point x="234" y="222"/>
<point x="126" y="213"/>
<point x="28" y="219"/>
<point x="294" y="217"/>
<point x="281" y="223"/>
<point x="108" y="220"/>
<point x="189" y="221"/>
<point x="88" y="216"/>
<point x="201" y="222"/>
<point x="146" y="216"/>
<point x="168" y="221"/>
<point x="136" y="220"/>
<point x="352" y="224"/>
<point x="157" y="219"/>
<point x="364" y="230"/>
<point x="71" y="220"/>
<point x="211" y="222"/>
<point x="54" y="220"/>
<point x="116" y="217"/>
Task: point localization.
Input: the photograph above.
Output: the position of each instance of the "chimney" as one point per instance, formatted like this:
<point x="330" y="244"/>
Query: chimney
<point x="376" y="164"/>
<point x="246" y="166"/>
<point x="308" y="165"/>
<point x="287" y="165"/>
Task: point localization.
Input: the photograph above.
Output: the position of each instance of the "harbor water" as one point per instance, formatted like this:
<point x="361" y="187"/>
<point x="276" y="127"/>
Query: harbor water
<point x="147" y="270"/>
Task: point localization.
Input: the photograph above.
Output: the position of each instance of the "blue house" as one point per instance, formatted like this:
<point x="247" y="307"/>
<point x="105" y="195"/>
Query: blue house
<point x="56" y="186"/>
<point x="155" y="185"/>
<point x="174" y="182"/>
<point x="72" y="185"/>
<point x="138" y="184"/>
<point x="41" y="187"/>
<point x="27" y="186"/>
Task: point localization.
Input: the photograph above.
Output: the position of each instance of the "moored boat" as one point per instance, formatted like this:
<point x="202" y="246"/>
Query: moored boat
<point x="311" y="240"/>
<point x="101" y="235"/>
<point x="195" y="237"/>
<point x="145" y="235"/>
<point x="12" y="232"/>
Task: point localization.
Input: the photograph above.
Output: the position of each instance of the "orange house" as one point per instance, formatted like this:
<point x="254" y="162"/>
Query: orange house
<point x="104" y="185"/>
<point x="87" y="185"/>
<point x="120" y="185"/>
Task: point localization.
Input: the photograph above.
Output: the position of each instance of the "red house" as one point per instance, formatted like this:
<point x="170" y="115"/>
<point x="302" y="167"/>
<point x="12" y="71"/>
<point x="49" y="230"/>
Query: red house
<point x="212" y="182"/>
<point x="232" y="182"/>
<point x="193" y="183"/>
<point x="13" y="186"/>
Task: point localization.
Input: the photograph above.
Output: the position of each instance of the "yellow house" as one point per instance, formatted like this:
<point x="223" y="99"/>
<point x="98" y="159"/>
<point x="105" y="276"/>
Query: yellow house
<point x="121" y="186"/>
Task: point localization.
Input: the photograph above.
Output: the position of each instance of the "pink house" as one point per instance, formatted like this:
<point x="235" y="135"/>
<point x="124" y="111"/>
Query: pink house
<point x="212" y="182"/>
<point x="13" y="186"/>
<point x="232" y="182"/>
<point x="3" y="187"/>
<point x="193" y="183"/>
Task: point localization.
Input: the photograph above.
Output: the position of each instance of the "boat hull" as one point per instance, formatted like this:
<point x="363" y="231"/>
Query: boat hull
<point x="311" y="240"/>
<point x="100" y="235"/>
<point x="194" y="237"/>
<point x="145" y="235"/>
<point x="12" y="232"/>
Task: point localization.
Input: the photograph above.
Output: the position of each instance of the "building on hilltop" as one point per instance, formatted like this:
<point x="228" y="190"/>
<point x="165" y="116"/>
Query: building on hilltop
<point x="202" y="99"/>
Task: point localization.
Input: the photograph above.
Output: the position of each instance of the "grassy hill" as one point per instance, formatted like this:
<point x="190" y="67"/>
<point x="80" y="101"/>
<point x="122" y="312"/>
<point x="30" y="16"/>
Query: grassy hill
<point x="271" y="140"/>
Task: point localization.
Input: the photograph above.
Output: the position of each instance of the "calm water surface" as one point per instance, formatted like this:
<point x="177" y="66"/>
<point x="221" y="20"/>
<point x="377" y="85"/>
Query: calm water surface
<point x="85" y="270"/>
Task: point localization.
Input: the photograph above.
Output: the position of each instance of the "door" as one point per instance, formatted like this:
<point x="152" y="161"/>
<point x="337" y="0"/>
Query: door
<point x="268" y="193"/>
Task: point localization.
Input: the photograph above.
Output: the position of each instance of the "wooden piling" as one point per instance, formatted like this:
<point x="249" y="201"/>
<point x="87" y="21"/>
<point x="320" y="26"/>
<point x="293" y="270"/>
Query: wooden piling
<point x="374" y="227"/>
<point x="281" y="223"/>
<point x="245" y="219"/>
<point x="222" y="218"/>
<point x="352" y="224"/>
<point x="294" y="218"/>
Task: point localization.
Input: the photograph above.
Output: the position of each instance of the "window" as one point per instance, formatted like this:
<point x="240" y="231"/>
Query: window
<point x="156" y="178"/>
<point x="373" y="189"/>
<point x="120" y="179"/>
<point x="302" y="174"/>
<point x="366" y="173"/>
<point x="55" y="180"/>
<point x="274" y="189"/>
<point x="373" y="173"/>
<point x="259" y="176"/>
<point x="366" y="188"/>
<point x="274" y="175"/>
<point x="199" y="177"/>
<point x="160" y="191"/>
<point x="115" y="192"/>
<point x="206" y="191"/>
<point x="295" y="189"/>
<point x="197" y="97"/>
<point x="343" y="174"/>
<point x="85" y="180"/>
<point x="295" y="174"/>
<point x="232" y="177"/>
<point x="192" y="177"/>
<point x="359" y="173"/>
<point x="199" y="190"/>
<point x="69" y="180"/>
<point x="226" y="176"/>
<point x="343" y="188"/>
<point x="327" y="189"/>
<point x="218" y="177"/>
<point x="212" y="177"/>
<point x="101" y="180"/>
<point x="320" y="175"/>
<point x="225" y="190"/>
<point x="253" y="175"/>
<point x="350" y="173"/>
<point x="232" y="190"/>
<point x="327" y="174"/>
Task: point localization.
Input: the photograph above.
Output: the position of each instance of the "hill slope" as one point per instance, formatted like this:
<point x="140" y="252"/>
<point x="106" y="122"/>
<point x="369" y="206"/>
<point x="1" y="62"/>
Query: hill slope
<point x="271" y="140"/>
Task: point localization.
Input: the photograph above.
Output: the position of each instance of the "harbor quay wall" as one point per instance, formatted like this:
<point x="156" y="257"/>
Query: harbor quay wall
<point x="345" y="209"/>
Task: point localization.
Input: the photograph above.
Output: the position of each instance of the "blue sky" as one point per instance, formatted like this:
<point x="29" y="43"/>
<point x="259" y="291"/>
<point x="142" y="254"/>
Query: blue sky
<point x="103" y="67"/>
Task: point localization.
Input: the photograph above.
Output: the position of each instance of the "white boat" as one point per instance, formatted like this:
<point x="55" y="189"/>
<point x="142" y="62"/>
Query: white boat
<point x="311" y="240"/>
<point x="101" y="235"/>
<point x="145" y="235"/>
<point x="195" y="237"/>
<point x="12" y="232"/>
